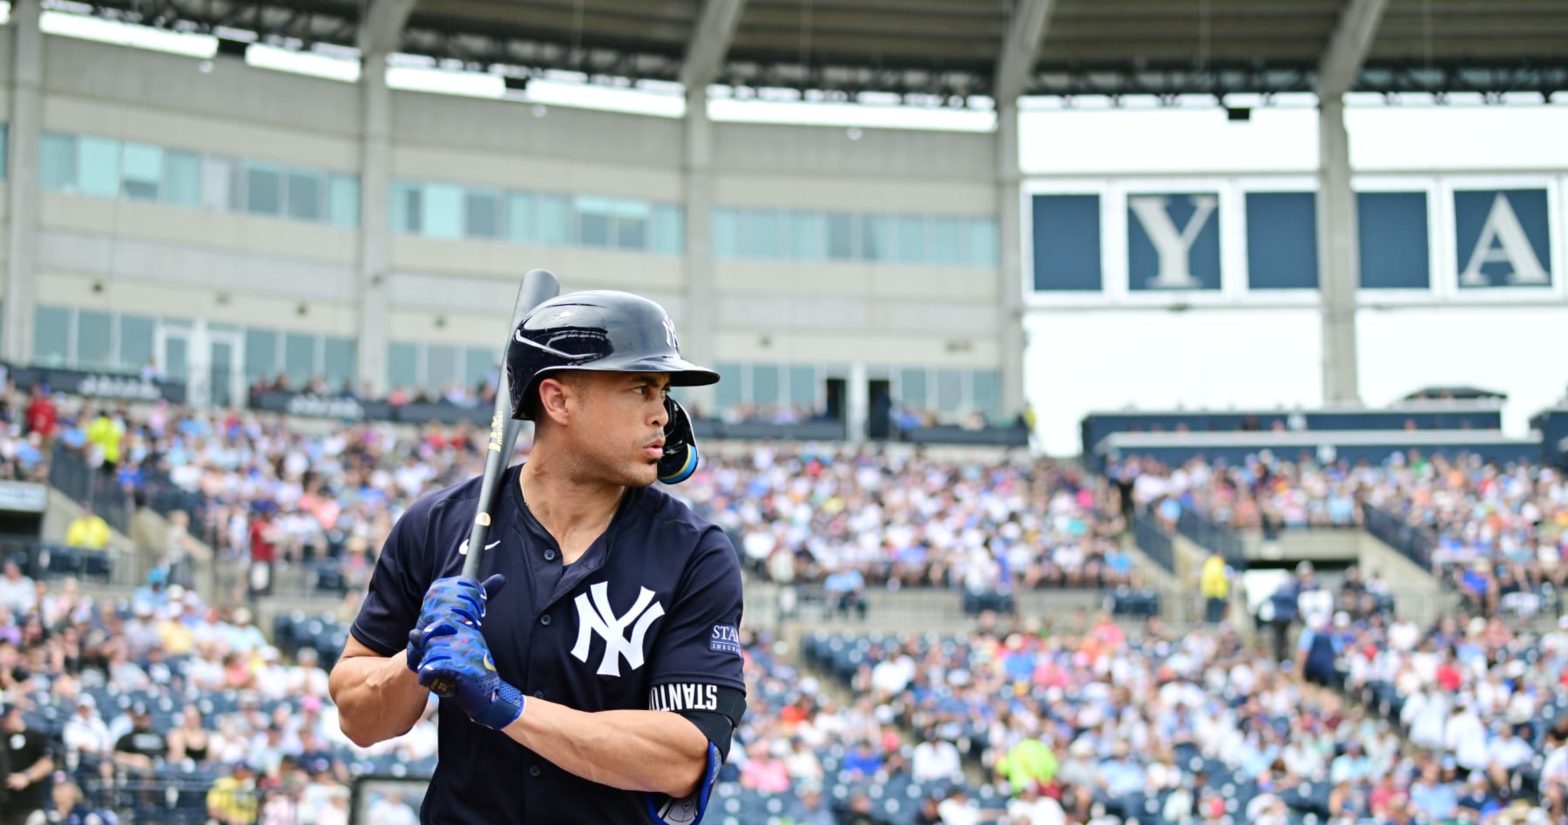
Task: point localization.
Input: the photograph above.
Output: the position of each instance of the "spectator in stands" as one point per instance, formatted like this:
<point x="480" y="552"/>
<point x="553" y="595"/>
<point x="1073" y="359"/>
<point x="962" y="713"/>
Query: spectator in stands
<point x="234" y="799"/>
<point x="142" y="749"/>
<point x="89" y="748"/>
<point x="392" y="810"/>
<point x="17" y="592"/>
<point x="191" y="740"/>
<point x="1214" y="583"/>
<point x="25" y="764"/>
<point x="936" y="759"/>
<point x="87" y="531"/>
<point x="69" y="807"/>
<point x="42" y="414"/>
<point x="845" y="590"/>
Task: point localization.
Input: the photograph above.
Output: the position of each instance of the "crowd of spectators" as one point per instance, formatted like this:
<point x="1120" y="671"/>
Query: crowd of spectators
<point x="901" y="519"/>
<point x="1195" y="727"/>
<point x="1497" y="534"/>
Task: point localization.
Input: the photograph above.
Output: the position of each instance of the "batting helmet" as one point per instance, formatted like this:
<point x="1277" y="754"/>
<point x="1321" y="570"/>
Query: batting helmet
<point x="598" y="330"/>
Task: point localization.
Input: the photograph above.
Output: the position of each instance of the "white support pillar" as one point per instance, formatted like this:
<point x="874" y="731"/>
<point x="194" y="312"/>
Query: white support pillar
<point x="1009" y="220"/>
<point x="698" y="334"/>
<point x="1339" y="258"/>
<point x="24" y="127"/>
<point x="375" y="255"/>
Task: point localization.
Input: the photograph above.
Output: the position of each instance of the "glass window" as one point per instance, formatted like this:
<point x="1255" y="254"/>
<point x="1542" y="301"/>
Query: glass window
<point x="555" y="220"/>
<point x="337" y="360"/>
<point x="343" y="200"/>
<point x="407" y="207"/>
<point x="668" y="230"/>
<point x="949" y="390"/>
<point x="261" y="355"/>
<point x="803" y="387"/>
<point x="51" y="335"/>
<point x="5" y="148"/>
<point x="945" y="241"/>
<point x="442" y="216"/>
<point x="478" y="365"/>
<point x="761" y="233"/>
<point x="984" y="244"/>
<point x="520" y="217"/>
<point x="482" y="213"/>
<point x="299" y="358"/>
<point x="841" y="236"/>
<point x="263" y="189"/>
<point x="57" y="162"/>
<point x="403" y="365"/>
<point x="631" y="224"/>
<point x="98" y="166"/>
<point x="726" y="234"/>
<point x="94" y="339"/>
<point x="807" y="235"/>
<point x="136" y="333"/>
<point x="911" y="239"/>
<point x="440" y="367"/>
<point x="217" y="179"/>
<point x="182" y="178"/>
<point x="176" y="354"/>
<point x="987" y="392"/>
<point x="143" y="171"/>
<point x="727" y="393"/>
<point x="594" y="216"/>
<point x="880" y="238"/>
<point x="304" y="195"/>
<point x="765" y="384"/>
<point x="912" y="388"/>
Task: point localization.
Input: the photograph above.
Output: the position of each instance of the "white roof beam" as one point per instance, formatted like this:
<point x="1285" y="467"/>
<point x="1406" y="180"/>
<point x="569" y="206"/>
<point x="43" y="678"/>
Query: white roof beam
<point x="710" y="42"/>
<point x="382" y="29"/>
<point x="1348" y="47"/>
<point x="1024" y="33"/>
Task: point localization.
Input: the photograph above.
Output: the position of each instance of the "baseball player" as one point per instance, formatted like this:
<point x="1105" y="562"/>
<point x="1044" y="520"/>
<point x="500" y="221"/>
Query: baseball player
<point x="597" y="668"/>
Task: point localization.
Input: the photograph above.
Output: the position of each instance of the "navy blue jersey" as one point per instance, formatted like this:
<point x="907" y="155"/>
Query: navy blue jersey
<point x="646" y="618"/>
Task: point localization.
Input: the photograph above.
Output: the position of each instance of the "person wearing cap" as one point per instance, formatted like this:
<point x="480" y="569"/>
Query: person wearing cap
<point x="604" y="683"/>
<point x="88" y="744"/>
<point x="25" y="764"/>
<point x="233" y="799"/>
<point x="142" y="748"/>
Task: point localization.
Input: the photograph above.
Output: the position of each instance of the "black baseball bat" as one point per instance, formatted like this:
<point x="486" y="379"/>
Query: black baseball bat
<point x="538" y="286"/>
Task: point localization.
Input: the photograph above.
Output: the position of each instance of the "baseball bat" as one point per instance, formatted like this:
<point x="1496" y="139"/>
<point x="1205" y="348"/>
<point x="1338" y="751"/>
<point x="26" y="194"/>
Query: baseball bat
<point x="538" y="286"/>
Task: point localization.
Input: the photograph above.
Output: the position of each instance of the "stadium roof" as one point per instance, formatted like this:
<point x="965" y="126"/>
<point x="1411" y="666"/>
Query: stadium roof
<point x="945" y="48"/>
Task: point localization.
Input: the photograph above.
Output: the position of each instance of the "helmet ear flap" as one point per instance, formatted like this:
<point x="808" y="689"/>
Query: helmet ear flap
<point x="680" y="445"/>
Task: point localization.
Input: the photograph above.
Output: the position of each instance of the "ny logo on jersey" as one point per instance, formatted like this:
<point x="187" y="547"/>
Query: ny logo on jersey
<point x="597" y="617"/>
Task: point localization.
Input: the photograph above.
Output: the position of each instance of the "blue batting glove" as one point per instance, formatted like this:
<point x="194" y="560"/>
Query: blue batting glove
<point x="461" y="661"/>
<point x="451" y="604"/>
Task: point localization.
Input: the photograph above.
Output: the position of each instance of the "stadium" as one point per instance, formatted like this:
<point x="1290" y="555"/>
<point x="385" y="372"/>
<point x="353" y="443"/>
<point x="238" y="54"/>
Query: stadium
<point x="1128" y="411"/>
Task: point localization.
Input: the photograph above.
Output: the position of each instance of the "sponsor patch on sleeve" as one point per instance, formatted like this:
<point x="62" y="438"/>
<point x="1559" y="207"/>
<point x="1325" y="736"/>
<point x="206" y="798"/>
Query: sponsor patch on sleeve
<point x="725" y="639"/>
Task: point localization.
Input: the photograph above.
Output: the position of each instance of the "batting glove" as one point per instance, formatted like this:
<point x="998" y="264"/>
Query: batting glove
<point x="462" y="661"/>
<point x="451" y="605"/>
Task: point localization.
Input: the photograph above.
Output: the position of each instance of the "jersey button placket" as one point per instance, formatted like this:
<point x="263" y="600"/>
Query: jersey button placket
<point x="545" y="620"/>
<point x="549" y="555"/>
<point x="533" y="770"/>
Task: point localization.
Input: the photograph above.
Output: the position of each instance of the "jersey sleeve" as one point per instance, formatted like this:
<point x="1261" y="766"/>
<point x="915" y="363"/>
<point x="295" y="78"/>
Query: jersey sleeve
<point x="701" y="642"/>
<point x="397" y="585"/>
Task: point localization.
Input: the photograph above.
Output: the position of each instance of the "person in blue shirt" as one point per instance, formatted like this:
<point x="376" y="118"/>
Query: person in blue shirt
<point x="596" y="667"/>
<point x="845" y="589"/>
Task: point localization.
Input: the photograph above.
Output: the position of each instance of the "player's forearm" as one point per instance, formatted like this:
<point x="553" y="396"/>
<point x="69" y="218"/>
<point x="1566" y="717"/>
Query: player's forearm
<point x="377" y="698"/>
<point x="634" y="750"/>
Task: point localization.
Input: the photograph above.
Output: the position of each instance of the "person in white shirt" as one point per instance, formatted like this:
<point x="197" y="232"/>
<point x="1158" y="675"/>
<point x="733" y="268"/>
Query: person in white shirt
<point x="1466" y="738"/>
<point x="935" y="758"/>
<point x="390" y="809"/>
<point x="88" y="743"/>
<point x="1032" y="808"/>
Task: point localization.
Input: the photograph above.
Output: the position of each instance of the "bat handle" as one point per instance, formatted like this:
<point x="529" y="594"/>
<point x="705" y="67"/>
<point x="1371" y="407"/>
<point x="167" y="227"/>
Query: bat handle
<point x="443" y="688"/>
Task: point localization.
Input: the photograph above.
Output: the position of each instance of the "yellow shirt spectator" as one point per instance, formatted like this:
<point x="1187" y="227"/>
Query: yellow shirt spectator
<point x="88" y="531"/>
<point x="1213" y="581"/>
<point x="106" y="434"/>
<point x="232" y="800"/>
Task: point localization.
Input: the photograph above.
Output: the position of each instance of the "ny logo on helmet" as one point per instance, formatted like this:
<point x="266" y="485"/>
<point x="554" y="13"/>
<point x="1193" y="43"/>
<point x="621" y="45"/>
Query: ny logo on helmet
<point x="597" y="617"/>
<point x="669" y="333"/>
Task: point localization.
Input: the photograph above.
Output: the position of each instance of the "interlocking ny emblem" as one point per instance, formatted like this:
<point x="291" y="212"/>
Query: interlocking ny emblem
<point x="598" y="617"/>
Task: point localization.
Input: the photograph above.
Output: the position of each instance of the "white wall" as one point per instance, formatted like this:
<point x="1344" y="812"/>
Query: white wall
<point x="1084" y="360"/>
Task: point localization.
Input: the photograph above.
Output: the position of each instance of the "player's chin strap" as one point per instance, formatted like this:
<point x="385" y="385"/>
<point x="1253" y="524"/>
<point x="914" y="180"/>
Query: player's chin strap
<point x="662" y="810"/>
<point x="680" y="445"/>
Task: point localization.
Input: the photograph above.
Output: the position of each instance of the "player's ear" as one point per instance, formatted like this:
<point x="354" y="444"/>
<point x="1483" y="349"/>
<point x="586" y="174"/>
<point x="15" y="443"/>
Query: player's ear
<point x="555" y="395"/>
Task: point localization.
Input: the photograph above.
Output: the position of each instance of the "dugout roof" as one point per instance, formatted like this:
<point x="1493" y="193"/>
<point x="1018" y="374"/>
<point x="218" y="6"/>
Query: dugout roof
<point x="934" y="47"/>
